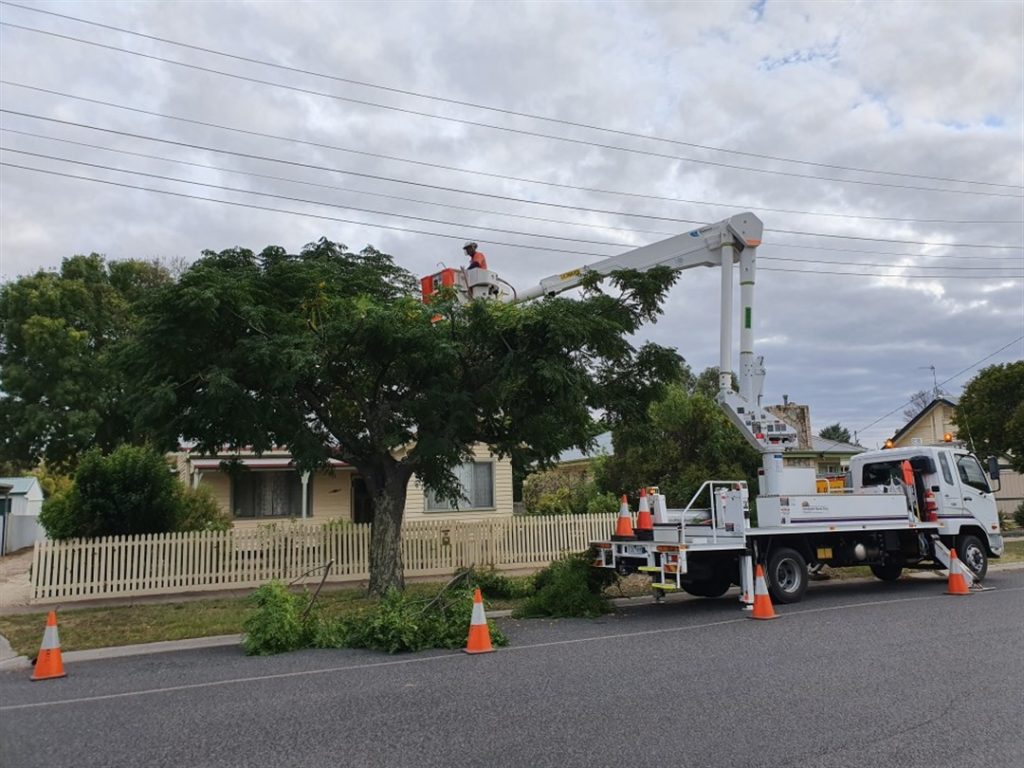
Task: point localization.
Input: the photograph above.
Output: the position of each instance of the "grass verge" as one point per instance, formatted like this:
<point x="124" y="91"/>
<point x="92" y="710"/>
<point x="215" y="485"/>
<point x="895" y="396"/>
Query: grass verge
<point x="85" y="628"/>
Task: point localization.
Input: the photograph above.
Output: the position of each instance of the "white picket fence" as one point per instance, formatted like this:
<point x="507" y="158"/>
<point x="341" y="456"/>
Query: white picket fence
<point x="160" y="564"/>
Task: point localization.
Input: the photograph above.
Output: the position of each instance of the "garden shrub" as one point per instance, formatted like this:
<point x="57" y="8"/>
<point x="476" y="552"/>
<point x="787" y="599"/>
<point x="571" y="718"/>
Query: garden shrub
<point x="569" y="587"/>
<point x="565" y="493"/>
<point x="278" y="624"/>
<point x="199" y="511"/>
<point x="1018" y="515"/>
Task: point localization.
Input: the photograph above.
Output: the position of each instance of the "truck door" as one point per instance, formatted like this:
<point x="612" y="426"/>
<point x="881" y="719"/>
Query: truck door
<point x="951" y="498"/>
<point x="974" y="486"/>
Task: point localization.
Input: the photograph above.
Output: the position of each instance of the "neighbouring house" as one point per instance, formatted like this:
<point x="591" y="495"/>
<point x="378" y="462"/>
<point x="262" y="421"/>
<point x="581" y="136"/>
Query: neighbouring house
<point x="931" y="426"/>
<point x="261" y="489"/>
<point x="20" y="506"/>
<point x="829" y="458"/>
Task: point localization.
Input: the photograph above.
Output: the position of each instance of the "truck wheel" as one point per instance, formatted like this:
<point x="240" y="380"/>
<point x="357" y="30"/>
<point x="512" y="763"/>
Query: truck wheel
<point x="971" y="553"/>
<point x="787" y="575"/>
<point x="707" y="587"/>
<point x="887" y="572"/>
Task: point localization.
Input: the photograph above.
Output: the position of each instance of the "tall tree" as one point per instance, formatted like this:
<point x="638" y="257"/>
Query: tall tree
<point x="836" y="432"/>
<point x="332" y="354"/>
<point x="991" y="412"/>
<point x="60" y="336"/>
<point x="921" y="400"/>
<point x="684" y="439"/>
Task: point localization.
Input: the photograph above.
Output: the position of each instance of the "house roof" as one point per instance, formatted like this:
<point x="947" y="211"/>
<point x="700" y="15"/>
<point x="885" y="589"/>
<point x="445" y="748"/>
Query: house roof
<point x="19" y="485"/>
<point x="602" y="446"/>
<point x="821" y="444"/>
<point x="923" y="412"/>
<point x="253" y="462"/>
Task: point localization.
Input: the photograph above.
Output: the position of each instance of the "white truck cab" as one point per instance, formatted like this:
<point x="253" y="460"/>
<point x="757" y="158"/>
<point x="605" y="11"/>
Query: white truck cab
<point x="952" y="488"/>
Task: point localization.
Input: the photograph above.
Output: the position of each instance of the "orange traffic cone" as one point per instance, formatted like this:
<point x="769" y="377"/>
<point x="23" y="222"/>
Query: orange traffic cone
<point x="624" y="525"/>
<point x="479" y="640"/>
<point x="49" y="663"/>
<point x="762" y="602"/>
<point x="644" y="522"/>
<point x="957" y="582"/>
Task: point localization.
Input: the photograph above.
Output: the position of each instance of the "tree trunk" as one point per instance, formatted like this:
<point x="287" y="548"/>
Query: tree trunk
<point x="387" y="491"/>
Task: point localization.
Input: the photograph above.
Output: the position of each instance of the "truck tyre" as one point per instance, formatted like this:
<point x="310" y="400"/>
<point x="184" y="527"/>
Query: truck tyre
<point x="887" y="572"/>
<point x="713" y="587"/>
<point x="787" y="575"/>
<point x="971" y="552"/>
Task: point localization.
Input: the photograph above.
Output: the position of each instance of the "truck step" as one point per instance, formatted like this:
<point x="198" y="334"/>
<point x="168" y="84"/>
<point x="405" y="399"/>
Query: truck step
<point x="649" y="569"/>
<point x="666" y="587"/>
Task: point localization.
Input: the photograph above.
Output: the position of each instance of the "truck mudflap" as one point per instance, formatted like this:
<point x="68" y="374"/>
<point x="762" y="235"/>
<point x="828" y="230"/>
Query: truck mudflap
<point x="995" y="543"/>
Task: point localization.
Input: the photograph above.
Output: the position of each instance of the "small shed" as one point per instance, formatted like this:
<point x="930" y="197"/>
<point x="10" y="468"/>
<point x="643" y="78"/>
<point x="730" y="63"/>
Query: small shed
<point x="19" y="513"/>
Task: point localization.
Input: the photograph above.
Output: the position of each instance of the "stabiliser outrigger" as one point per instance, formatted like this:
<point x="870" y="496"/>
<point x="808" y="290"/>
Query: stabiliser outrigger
<point x="902" y="507"/>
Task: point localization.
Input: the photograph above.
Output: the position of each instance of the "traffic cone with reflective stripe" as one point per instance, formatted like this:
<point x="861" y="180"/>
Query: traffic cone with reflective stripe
<point x="957" y="582"/>
<point x="644" y="522"/>
<point x="762" y="602"/>
<point x="479" y="640"/>
<point x="49" y="663"/>
<point x="624" y="525"/>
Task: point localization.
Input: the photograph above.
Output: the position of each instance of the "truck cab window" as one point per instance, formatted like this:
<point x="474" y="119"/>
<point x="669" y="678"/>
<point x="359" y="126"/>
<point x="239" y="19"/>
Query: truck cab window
<point x="947" y="474"/>
<point x="971" y="473"/>
<point x="882" y="473"/>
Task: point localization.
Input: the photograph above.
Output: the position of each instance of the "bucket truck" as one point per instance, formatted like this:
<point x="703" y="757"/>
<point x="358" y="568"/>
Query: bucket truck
<point x="902" y="508"/>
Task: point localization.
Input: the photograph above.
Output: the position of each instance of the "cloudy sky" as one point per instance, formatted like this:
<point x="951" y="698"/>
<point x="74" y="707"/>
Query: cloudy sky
<point x="882" y="144"/>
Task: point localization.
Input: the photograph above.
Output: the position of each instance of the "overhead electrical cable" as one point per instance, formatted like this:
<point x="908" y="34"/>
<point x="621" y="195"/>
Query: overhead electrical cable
<point x="479" y="227"/>
<point x="506" y="129"/>
<point x="959" y="373"/>
<point x="486" y="174"/>
<point x="562" y="222"/>
<point x="478" y="194"/>
<point x="451" y="236"/>
<point x="490" y="108"/>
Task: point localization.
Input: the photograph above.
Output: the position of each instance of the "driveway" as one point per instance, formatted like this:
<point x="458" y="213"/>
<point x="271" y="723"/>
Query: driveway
<point x="15" y="589"/>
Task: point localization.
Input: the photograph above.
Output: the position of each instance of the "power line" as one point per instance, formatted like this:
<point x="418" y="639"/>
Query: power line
<point x="487" y="174"/>
<point x="436" y="234"/>
<point x="506" y="129"/>
<point x="456" y="223"/>
<point x="954" y="376"/>
<point x="478" y="194"/>
<point x="223" y="169"/>
<point x="500" y="110"/>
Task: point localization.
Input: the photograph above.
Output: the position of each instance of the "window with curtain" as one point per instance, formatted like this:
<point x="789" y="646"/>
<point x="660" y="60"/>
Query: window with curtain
<point x="477" y="481"/>
<point x="268" y="494"/>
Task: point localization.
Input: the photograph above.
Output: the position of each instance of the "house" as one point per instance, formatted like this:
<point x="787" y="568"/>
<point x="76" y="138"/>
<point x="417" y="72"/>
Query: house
<point x="20" y="506"/>
<point x="257" y="489"/>
<point x="931" y="426"/>
<point x="829" y="458"/>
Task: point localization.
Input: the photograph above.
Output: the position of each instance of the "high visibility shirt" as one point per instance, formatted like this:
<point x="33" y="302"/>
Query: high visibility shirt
<point x="478" y="260"/>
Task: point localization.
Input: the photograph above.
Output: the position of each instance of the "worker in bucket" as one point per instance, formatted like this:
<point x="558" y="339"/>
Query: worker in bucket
<point x="477" y="260"/>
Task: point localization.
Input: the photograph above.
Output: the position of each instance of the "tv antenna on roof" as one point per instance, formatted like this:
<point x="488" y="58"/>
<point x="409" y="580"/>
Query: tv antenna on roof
<point x="935" y="381"/>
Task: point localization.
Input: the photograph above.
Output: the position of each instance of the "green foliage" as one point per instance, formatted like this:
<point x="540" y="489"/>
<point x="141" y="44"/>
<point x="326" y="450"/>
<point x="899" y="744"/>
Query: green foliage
<point x="494" y="585"/>
<point x="278" y="624"/>
<point x="1018" y="515"/>
<point x="398" y="387"/>
<point x="131" y="491"/>
<point x="991" y="412"/>
<point x="399" y="622"/>
<point x="569" y="587"/>
<point x="63" y="334"/>
<point x="561" y="492"/>
<point x="684" y="439"/>
<point x="198" y="511"/>
<point x="836" y="432"/>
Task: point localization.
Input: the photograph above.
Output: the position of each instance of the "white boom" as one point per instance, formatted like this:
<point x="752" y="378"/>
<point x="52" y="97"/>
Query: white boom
<point x="721" y="244"/>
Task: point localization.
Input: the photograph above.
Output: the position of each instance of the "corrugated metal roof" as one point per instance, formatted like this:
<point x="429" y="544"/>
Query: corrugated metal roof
<point x="19" y="485"/>
<point x="822" y="445"/>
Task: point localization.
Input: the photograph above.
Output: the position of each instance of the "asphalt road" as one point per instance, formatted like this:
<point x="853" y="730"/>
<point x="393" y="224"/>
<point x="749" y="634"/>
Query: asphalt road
<point x="858" y="674"/>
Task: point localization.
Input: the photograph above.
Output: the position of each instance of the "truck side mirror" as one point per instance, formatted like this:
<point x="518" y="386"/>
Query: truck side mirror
<point x="993" y="467"/>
